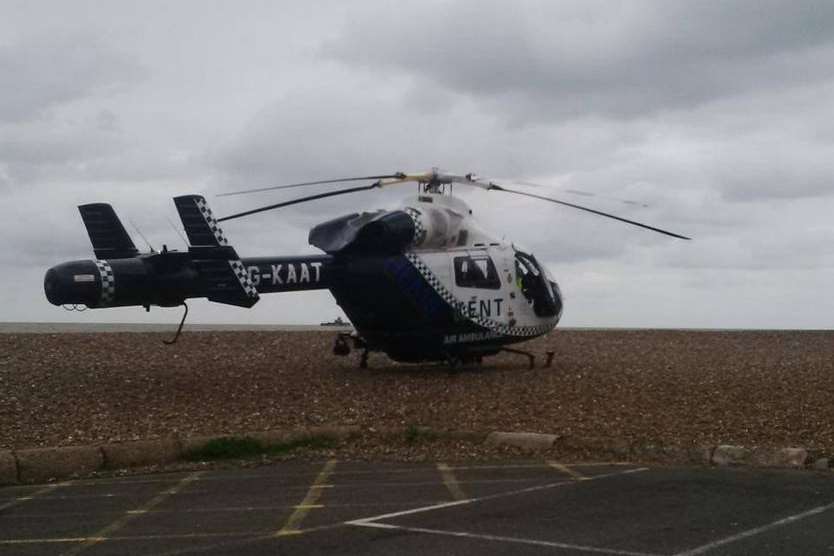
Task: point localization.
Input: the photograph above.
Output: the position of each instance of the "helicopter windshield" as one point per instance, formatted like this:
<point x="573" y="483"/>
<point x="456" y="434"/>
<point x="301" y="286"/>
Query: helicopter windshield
<point x="532" y="280"/>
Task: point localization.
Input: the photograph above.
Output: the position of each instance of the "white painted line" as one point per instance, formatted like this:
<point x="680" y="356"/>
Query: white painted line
<point x="755" y="531"/>
<point x="366" y="520"/>
<point x="517" y="540"/>
<point x="434" y="483"/>
<point x="509" y="466"/>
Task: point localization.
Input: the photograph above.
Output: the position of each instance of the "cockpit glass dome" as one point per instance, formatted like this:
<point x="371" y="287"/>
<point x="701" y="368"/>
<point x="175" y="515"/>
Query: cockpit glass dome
<point x="535" y="284"/>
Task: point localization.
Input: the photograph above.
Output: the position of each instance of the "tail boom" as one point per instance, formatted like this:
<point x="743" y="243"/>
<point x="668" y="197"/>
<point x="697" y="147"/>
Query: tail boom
<point x="211" y="268"/>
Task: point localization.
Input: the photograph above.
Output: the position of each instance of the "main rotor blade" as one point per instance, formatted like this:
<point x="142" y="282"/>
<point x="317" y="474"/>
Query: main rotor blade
<point x="586" y="209"/>
<point x="589" y="194"/>
<point x="298" y="201"/>
<point x="306" y="183"/>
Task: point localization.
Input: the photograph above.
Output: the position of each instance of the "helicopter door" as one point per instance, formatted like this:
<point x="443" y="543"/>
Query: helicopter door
<point x="476" y="270"/>
<point x="477" y="284"/>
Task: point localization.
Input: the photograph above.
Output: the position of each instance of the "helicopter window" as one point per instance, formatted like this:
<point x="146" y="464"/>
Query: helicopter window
<point x="476" y="272"/>
<point x="534" y="285"/>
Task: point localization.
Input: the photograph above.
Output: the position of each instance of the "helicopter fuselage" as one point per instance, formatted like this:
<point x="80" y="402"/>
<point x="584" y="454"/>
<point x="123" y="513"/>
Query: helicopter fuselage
<point x="453" y="292"/>
<point x="420" y="283"/>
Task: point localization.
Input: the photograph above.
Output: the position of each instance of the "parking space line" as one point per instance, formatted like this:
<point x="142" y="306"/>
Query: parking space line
<point x="574" y="474"/>
<point x="74" y="540"/>
<point x="367" y="521"/>
<point x="250" y="538"/>
<point x="21" y="499"/>
<point x="517" y="540"/>
<point x="451" y="481"/>
<point x="225" y="509"/>
<point x="291" y="527"/>
<point x="122" y="521"/>
<point x="756" y="531"/>
<point x="432" y="483"/>
<point x="540" y="465"/>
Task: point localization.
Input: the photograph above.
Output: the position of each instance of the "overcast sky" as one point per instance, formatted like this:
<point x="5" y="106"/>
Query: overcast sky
<point x="718" y="115"/>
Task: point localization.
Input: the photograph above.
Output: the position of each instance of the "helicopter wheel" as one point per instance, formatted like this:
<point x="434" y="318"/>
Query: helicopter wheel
<point x="341" y="347"/>
<point x="363" y="362"/>
<point x="453" y="362"/>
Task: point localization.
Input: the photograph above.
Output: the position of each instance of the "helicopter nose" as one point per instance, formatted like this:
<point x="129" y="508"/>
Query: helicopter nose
<point x="72" y="283"/>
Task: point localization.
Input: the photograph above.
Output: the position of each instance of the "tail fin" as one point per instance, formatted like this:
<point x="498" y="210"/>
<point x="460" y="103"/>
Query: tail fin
<point x="226" y="279"/>
<point x="107" y="234"/>
<point x="200" y="225"/>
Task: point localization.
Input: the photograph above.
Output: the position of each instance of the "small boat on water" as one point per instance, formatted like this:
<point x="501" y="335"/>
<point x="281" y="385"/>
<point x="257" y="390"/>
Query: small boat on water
<point x="337" y="322"/>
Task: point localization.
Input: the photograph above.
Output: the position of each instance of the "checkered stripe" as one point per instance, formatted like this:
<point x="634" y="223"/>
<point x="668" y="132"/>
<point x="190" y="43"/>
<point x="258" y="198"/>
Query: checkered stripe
<point x="108" y="283"/>
<point x="242" y="276"/>
<point x="489" y="324"/>
<point x="205" y="210"/>
<point x="419" y="229"/>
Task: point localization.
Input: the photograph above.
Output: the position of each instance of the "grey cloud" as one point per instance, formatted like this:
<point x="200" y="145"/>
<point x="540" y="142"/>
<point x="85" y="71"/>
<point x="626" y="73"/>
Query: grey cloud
<point x="718" y="115"/>
<point x="556" y="60"/>
<point x="44" y="72"/>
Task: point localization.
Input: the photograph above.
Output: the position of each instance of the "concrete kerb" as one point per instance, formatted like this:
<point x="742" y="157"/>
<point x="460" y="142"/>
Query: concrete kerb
<point x="780" y="457"/>
<point x="273" y="437"/>
<point x="41" y="465"/>
<point x="141" y="452"/>
<point x="47" y="464"/>
<point x="528" y="441"/>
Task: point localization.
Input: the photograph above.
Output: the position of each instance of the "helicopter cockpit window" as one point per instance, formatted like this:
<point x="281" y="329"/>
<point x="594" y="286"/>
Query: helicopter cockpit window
<point x="533" y="283"/>
<point x="476" y="271"/>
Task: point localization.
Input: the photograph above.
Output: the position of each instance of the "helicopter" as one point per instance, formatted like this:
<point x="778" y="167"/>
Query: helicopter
<point x="422" y="283"/>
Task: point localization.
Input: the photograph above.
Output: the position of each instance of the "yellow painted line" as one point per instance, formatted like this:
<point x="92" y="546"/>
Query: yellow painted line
<point x="291" y="527"/>
<point x="45" y="490"/>
<point x="108" y="531"/>
<point x="37" y="541"/>
<point x="74" y="540"/>
<point x="574" y="474"/>
<point x="451" y="481"/>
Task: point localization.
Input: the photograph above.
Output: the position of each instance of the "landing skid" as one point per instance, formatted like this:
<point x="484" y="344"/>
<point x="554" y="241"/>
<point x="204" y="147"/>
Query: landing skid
<point x="346" y="342"/>
<point x="531" y="357"/>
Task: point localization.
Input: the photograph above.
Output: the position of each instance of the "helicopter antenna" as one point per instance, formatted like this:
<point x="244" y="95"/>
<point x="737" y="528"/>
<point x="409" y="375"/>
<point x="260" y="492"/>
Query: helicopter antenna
<point x="179" y="233"/>
<point x="138" y="231"/>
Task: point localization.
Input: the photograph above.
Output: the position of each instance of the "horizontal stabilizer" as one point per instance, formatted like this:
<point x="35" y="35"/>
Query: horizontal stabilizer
<point x="107" y="234"/>
<point x="227" y="282"/>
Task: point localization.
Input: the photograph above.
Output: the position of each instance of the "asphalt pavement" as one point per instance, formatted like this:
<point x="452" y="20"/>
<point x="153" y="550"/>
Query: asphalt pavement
<point x="332" y="507"/>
